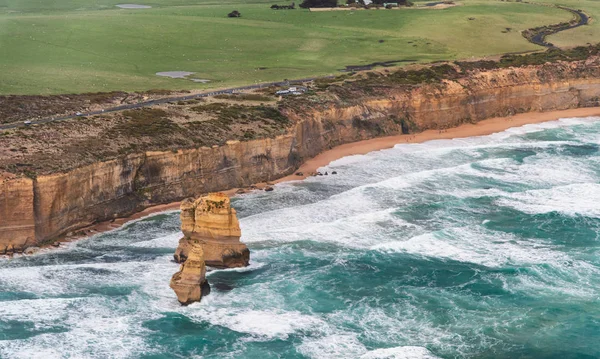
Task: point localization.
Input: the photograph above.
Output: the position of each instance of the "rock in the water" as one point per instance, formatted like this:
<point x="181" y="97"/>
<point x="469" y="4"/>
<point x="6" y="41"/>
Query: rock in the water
<point x="190" y="283"/>
<point x="31" y="250"/>
<point x="269" y="189"/>
<point x="211" y="223"/>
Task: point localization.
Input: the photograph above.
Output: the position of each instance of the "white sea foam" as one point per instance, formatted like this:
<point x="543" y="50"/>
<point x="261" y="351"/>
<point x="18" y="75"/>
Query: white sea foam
<point x="342" y="345"/>
<point x="435" y="149"/>
<point x="43" y="312"/>
<point x="571" y="200"/>
<point x="254" y="265"/>
<point x="262" y="227"/>
<point x="93" y="330"/>
<point x="347" y="345"/>
<point x="476" y="245"/>
<point x="542" y="169"/>
<point x="168" y="241"/>
<point x="407" y="352"/>
<point x="575" y="280"/>
<point x="263" y="324"/>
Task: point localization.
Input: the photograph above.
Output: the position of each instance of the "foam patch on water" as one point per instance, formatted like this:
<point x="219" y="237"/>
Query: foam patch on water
<point x="45" y="313"/>
<point x="357" y="230"/>
<point x="430" y="153"/>
<point x="168" y="241"/>
<point x="345" y="345"/>
<point x="575" y="280"/>
<point x="476" y="245"/>
<point x="254" y="265"/>
<point x="549" y="125"/>
<point x="54" y="280"/>
<point x="289" y="221"/>
<point x="92" y="330"/>
<point x="263" y="324"/>
<point x="408" y="352"/>
<point x="570" y="200"/>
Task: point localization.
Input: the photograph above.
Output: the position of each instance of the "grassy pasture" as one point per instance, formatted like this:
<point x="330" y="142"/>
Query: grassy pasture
<point x="67" y="46"/>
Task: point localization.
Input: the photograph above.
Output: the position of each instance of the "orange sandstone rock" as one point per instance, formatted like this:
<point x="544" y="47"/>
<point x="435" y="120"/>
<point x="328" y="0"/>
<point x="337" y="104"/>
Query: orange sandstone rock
<point x="190" y="282"/>
<point x="210" y="222"/>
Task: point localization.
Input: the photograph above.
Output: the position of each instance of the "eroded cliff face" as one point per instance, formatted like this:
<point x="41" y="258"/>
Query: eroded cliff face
<point x="39" y="210"/>
<point x="17" y="218"/>
<point x="211" y="223"/>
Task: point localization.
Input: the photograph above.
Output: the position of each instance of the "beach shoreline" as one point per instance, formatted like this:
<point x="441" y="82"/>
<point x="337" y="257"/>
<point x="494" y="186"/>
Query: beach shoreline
<point x="481" y="128"/>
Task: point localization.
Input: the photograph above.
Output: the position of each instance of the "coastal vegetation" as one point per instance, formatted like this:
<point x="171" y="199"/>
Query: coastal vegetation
<point x="74" y="46"/>
<point x="65" y="145"/>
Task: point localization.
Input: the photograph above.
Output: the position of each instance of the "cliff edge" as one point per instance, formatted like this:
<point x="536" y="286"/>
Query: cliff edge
<point x="43" y="198"/>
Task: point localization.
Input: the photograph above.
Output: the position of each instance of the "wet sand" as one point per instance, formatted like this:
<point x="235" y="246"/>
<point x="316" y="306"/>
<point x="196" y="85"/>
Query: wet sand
<point x="482" y="128"/>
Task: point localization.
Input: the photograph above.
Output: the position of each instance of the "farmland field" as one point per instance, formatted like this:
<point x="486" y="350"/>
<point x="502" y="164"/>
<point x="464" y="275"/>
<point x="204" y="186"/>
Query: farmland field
<point x="72" y="46"/>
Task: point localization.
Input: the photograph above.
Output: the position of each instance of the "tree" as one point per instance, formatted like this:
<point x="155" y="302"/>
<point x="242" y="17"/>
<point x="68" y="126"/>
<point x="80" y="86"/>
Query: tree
<point x="318" y="3"/>
<point x="234" y="13"/>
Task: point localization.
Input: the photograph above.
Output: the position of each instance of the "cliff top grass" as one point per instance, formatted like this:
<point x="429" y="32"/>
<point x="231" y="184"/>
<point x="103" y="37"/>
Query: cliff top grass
<point x="349" y="90"/>
<point x="77" y="46"/>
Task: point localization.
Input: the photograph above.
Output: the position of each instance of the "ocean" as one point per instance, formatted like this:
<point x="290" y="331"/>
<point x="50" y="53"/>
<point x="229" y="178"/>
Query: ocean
<point x="480" y="247"/>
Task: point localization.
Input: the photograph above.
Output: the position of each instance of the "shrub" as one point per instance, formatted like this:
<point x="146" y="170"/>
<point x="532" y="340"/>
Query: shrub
<point x="145" y="122"/>
<point x="318" y="3"/>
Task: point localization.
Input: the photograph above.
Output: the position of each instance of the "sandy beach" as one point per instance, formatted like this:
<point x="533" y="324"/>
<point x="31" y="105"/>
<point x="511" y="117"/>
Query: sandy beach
<point x="482" y="128"/>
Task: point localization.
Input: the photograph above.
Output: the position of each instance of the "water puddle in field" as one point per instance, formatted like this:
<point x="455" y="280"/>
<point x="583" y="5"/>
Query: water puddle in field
<point x="133" y="6"/>
<point x="181" y="75"/>
<point x="175" y="74"/>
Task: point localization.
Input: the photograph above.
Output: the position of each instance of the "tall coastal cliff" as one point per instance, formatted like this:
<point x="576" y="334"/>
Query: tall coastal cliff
<point x="39" y="209"/>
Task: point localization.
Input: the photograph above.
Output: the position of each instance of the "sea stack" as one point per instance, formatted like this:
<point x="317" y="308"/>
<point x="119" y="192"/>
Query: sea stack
<point x="211" y="223"/>
<point x="190" y="282"/>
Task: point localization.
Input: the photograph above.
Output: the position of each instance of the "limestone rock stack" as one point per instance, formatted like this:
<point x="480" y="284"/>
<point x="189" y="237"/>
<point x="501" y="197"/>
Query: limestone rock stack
<point x="211" y="223"/>
<point x="190" y="282"/>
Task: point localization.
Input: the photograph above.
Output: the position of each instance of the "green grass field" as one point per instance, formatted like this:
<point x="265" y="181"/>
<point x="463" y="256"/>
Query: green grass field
<point x="70" y="46"/>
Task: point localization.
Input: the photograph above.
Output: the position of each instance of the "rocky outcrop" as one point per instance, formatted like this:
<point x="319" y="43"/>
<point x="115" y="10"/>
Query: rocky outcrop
<point x="190" y="282"/>
<point x="211" y="223"/>
<point x="36" y="211"/>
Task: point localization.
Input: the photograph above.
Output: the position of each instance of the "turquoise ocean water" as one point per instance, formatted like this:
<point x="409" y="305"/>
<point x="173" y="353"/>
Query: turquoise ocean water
<point x="483" y="247"/>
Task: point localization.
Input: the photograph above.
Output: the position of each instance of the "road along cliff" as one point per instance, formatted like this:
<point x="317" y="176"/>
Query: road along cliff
<point x="39" y="207"/>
